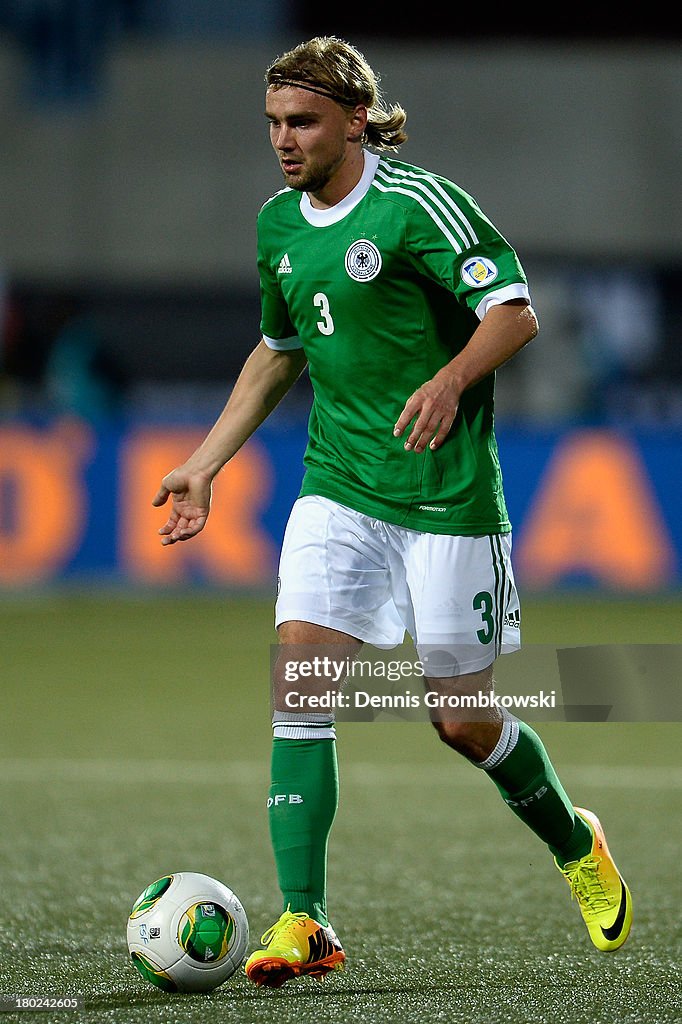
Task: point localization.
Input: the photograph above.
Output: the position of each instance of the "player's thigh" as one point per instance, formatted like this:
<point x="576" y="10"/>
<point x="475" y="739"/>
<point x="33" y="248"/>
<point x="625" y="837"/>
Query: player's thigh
<point x="294" y="632"/>
<point x="310" y="664"/>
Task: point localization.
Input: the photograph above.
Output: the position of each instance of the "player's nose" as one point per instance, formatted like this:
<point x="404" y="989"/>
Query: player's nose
<point x="284" y="139"/>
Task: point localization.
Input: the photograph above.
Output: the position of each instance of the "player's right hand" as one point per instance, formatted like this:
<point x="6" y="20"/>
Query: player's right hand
<point x="191" y="496"/>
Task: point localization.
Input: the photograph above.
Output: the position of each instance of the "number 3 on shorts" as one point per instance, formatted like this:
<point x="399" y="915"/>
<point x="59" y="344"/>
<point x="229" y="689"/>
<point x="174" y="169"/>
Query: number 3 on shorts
<point x="483" y="602"/>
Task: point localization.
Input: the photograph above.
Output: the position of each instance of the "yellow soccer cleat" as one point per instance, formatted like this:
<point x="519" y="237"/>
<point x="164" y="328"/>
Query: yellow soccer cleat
<point x="295" y="945"/>
<point x="604" y="898"/>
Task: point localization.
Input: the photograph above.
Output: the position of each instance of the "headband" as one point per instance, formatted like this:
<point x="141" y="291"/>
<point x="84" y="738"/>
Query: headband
<point x="343" y="100"/>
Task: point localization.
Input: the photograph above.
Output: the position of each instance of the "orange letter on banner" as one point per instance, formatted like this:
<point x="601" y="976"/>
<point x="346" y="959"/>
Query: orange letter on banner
<point x="43" y="503"/>
<point x="595" y="514"/>
<point x="232" y="548"/>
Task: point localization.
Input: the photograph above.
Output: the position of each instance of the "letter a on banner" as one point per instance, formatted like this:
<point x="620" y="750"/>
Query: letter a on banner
<point x="595" y="514"/>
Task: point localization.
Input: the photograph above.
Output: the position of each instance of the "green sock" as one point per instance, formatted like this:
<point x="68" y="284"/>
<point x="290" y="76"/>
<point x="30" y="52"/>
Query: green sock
<point x="529" y="785"/>
<point x="303" y="799"/>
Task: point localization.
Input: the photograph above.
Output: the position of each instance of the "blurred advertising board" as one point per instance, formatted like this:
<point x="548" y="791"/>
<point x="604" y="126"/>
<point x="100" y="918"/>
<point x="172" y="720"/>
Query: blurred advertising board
<point x="591" y="507"/>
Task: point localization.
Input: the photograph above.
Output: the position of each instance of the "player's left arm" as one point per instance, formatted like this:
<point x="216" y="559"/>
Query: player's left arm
<point x="503" y="332"/>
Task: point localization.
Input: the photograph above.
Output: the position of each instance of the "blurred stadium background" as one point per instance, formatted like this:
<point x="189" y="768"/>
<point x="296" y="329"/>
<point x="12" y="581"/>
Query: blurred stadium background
<point x="134" y="162"/>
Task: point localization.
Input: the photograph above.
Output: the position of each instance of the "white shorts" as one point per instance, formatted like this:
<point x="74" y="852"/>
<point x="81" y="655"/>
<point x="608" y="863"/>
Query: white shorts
<point x="455" y="596"/>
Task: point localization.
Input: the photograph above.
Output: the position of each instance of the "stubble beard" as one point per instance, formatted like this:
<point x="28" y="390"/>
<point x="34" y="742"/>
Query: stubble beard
<point x="313" y="178"/>
<point x="306" y="181"/>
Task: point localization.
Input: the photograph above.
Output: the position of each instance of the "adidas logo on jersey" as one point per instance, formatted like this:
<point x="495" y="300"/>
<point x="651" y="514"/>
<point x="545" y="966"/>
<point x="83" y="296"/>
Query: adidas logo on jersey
<point x="284" y="265"/>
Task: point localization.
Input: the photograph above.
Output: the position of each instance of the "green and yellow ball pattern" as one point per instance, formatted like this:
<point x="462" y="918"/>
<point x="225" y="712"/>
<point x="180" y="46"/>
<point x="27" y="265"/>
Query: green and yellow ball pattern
<point x="150" y="972"/>
<point x="151" y="895"/>
<point x="205" y="932"/>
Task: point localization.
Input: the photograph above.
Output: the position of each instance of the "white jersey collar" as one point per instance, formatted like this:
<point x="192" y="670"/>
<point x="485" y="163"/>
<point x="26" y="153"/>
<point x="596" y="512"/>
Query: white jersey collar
<point x="322" y="218"/>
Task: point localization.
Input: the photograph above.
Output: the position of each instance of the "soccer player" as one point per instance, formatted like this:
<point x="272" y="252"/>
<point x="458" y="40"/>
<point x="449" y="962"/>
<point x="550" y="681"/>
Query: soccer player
<point x="401" y="297"/>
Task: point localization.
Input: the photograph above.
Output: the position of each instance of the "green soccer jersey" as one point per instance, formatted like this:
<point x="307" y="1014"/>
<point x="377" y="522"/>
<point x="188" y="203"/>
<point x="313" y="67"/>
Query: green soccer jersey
<point x="381" y="291"/>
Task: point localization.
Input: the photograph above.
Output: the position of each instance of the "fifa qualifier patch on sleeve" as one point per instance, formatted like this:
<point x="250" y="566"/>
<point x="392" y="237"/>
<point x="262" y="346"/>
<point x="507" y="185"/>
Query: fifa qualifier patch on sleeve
<point x="363" y="260"/>
<point x="478" y="272"/>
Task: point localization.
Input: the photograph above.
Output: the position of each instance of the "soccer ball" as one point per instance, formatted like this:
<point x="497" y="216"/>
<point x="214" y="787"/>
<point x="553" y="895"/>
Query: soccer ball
<point x="187" y="932"/>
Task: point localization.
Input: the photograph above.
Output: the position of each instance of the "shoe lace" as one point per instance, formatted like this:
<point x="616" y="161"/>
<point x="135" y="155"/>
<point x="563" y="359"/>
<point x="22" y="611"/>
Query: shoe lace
<point x="285" y="922"/>
<point x="587" y="886"/>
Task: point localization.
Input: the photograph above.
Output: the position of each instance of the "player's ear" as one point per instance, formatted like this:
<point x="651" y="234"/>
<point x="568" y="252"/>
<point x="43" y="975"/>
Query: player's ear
<point x="357" y="123"/>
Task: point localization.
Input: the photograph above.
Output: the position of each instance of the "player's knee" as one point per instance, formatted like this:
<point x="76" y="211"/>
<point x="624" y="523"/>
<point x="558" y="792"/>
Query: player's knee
<point x="473" y="740"/>
<point x="456" y="734"/>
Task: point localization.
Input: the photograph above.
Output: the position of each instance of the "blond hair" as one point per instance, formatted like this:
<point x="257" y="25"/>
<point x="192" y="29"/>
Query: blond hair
<point x="332" y="67"/>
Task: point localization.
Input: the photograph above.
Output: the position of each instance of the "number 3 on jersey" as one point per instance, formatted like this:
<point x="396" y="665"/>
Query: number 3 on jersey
<point x="326" y="324"/>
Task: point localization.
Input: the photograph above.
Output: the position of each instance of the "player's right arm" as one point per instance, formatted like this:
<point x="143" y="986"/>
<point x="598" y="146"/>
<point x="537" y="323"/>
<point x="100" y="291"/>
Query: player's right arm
<point x="265" y="378"/>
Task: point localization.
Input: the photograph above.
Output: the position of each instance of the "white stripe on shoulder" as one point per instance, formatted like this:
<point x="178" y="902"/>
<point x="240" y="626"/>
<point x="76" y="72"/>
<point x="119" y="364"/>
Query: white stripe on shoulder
<point x="434" y="191"/>
<point x="281" y="192"/>
<point x="431" y="212"/>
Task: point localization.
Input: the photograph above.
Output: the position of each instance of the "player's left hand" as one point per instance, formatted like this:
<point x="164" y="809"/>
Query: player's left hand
<point x="435" y="405"/>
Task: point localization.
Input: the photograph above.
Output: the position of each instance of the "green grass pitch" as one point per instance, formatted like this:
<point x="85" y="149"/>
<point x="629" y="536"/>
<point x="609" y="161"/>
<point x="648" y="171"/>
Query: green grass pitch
<point x="135" y="740"/>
